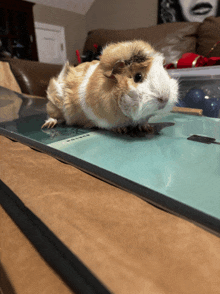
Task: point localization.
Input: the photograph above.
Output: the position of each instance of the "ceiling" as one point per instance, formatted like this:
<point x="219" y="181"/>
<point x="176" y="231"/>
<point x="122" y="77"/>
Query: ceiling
<point x="78" y="6"/>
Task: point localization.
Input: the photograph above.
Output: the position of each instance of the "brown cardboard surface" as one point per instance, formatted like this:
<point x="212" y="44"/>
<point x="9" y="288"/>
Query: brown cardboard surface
<point x="130" y="245"/>
<point x="22" y="269"/>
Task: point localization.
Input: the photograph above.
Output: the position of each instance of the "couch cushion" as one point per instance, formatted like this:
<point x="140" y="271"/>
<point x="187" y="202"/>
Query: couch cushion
<point x="14" y="105"/>
<point x="7" y="78"/>
<point x="33" y="77"/>
<point x="171" y="39"/>
<point x="208" y="35"/>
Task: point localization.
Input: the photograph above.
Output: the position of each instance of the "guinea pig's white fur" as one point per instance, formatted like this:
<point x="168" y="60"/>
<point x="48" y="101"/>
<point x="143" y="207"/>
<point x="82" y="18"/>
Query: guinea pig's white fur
<point x="127" y="86"/>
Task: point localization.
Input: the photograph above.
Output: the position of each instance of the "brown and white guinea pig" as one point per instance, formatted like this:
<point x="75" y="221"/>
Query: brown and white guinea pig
<point x="127" y="86"/>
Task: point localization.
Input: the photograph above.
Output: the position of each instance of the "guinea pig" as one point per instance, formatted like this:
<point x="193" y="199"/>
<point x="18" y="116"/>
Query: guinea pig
<point x="123" y="90"/>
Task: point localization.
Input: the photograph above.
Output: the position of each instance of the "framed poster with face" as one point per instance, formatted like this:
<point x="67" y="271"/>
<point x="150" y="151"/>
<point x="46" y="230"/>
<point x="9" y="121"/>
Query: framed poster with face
<point x="187" y="10"/>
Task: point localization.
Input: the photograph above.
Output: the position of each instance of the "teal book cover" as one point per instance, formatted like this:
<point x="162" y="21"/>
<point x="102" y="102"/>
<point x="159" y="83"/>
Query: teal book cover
<point x="177" y="169"/>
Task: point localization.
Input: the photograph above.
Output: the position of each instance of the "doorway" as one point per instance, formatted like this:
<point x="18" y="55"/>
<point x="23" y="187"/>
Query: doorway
<point x="51" y="43"/>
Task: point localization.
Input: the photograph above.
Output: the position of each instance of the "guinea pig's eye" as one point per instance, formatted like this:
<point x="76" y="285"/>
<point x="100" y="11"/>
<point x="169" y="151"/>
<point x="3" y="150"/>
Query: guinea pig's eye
<point x="138" y="78"/>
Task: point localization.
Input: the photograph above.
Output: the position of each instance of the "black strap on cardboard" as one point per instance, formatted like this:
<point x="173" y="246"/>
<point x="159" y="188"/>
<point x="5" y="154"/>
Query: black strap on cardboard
<point x="75" y="274"/>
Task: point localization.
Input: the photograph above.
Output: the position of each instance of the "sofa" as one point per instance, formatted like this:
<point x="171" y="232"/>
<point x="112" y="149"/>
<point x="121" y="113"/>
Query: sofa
<point x="172" y="39"/>
<point x="66" y="231"/>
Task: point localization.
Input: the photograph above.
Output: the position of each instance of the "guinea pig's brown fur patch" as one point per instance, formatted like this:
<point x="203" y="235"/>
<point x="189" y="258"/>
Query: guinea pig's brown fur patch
<point x="125" y="51"/>
<point x="73" y="109"/>
<point x="131" y="58"/>
<point x="111" y="91"/>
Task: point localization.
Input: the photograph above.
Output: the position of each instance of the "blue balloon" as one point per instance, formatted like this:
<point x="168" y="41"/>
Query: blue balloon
<point x="195" y="98"/>
<point x="211" y="107"/>
<point x="181" y="103"/>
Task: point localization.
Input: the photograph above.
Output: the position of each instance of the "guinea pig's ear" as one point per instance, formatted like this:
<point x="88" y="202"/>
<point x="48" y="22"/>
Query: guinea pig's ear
<point x="117" y="69"/>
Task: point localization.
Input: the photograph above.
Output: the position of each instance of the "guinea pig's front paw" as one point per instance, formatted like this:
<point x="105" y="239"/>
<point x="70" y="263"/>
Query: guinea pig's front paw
<point x="138" y="131"/>
<point x="122" y="130"/>
<point x="142" y="130"/>
<point x="146" y="128"/>
<point x="49" y="123"/>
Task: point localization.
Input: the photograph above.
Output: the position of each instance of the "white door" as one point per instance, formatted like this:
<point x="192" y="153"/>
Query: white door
<point x="51" y="43"/>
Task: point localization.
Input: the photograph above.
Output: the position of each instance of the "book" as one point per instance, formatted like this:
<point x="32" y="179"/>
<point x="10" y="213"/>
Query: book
<point x="176" y="169"/>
